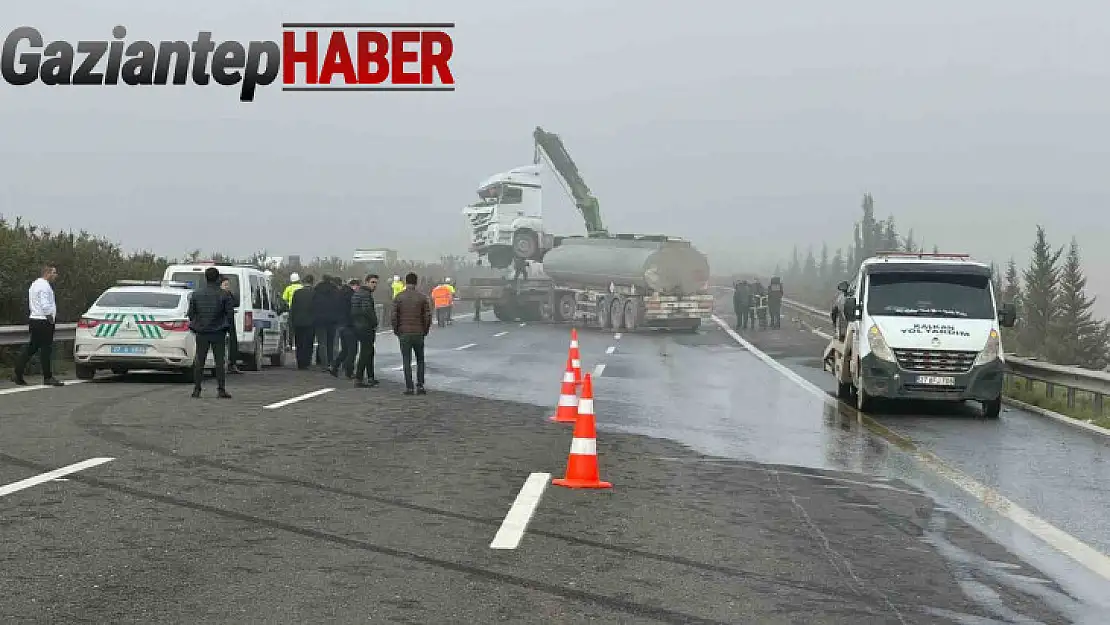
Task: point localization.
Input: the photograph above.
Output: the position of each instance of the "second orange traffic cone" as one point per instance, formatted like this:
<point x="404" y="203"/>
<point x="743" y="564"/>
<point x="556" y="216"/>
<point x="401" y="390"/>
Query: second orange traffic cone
<point x="567" y="412"/>
<point x="575" y="357"/>
<point x="582" y="469"/>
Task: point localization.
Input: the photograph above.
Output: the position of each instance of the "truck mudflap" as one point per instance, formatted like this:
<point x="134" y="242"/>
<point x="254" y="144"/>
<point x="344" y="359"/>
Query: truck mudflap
<point x="886" y="379"/>
<point x="658" y="307"/>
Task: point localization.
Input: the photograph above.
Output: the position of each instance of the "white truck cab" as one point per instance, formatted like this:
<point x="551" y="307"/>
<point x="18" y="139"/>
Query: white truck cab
<point x="506" y="223"/>
<point x="921" y="326"/>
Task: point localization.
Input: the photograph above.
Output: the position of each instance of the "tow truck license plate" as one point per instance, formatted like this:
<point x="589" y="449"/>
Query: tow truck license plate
<point x="933" y="380"/>
<point x="128" y="349"/>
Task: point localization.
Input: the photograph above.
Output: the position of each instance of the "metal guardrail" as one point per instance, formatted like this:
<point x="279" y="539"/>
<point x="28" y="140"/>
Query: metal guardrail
<point x="19" y="335"/>
<point x="1029" y="370"/>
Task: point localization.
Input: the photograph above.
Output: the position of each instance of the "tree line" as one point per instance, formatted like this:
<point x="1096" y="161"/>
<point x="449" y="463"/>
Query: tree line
<point x="1055" y="317"/>
<point x="89" y="264"/>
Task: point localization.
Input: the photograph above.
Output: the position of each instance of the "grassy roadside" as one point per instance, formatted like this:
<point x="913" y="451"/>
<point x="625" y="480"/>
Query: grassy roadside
<point x="62" y="360"/>
<point x="1035" y="394"/>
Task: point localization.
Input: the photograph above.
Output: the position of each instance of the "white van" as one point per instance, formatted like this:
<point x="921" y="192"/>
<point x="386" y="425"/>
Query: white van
<point x="257" y="321"/>
<point x="921" y="326"/>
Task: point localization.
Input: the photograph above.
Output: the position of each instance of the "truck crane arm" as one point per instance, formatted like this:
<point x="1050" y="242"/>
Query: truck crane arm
<point x="550" y="147"/>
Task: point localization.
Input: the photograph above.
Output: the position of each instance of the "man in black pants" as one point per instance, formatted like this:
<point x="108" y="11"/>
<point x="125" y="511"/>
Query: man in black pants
<point x="348" y="343"/>
<point x="232" y="332"/>
<point x="412" y="321"/>
<point x="304" y="326"/>
<point x="364" y="325"/>
<point x="210" y="314"/>
<point x="43" y="315"/>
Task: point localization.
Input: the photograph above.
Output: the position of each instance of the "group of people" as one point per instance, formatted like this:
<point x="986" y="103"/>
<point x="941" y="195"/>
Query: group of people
<point x="756" y="306"/>
<point x="318" y="313"/>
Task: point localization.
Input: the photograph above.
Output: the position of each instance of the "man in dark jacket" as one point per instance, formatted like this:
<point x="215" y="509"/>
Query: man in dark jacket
<point x="210" y="308"/>
<point x="303" y="323"/>
<point x="348" y="344"/>
<point x="232" y="331"/>
<point x="774" y="302"/>
<point x="327" y="311"/>
<point x="742" y="303"/>
<point x="364" y="326"/>
<point x="412" y="320"/>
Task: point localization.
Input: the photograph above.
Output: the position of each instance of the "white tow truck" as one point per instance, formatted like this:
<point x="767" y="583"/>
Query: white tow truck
<point x="920" y="326"/>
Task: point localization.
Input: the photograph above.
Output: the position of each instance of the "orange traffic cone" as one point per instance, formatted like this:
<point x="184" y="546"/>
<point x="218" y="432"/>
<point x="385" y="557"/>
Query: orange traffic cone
<point x="567" y="411"/>
<point x="575" y="358"/>
<point x="582" y="469"/>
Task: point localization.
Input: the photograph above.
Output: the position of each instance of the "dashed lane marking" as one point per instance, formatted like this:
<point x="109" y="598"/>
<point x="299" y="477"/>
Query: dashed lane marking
<point x="599" y="369"/>
<point x="298" y="398"/>
<point x="617" y="336"/>
<point x="501" y="333"/>
<point x="1060" y="540"/>
<point x="36" y="387"/>
<point x="52" y="475"/>
<point x="467" y="346"/>
<point x="520" y="513"/>
<point x="523" y="324"/>
<point x="611" y="349"/>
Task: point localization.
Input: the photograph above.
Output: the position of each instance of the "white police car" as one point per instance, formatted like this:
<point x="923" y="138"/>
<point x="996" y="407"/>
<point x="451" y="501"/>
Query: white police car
<point x="137" y="325"/>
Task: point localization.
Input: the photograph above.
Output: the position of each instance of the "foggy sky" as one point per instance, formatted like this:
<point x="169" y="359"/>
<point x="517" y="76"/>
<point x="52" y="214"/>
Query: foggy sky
<point x="746" y="127"/>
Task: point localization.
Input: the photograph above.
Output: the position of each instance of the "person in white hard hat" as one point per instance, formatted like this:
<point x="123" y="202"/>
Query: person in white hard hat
<point x="287" y="296"/>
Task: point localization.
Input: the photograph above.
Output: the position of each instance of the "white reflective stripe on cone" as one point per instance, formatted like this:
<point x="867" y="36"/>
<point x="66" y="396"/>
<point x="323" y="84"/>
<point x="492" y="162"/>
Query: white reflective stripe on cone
<point x="586" y="406"/>
<point x="577" y="364"/>
<point x="568" y="400"/>
<point x="574" y="343"/>
<point x="568" y="376"/>
<point x="583" y="447"/>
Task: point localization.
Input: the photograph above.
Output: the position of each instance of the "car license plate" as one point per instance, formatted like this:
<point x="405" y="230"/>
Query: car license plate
<point x="128" y="349"/>
<point x="933" y="380"/>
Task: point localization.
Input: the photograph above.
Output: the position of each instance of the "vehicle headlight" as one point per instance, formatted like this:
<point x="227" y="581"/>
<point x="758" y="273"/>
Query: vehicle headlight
<point x="991" y="351"/>
<point x="878" y="345"/>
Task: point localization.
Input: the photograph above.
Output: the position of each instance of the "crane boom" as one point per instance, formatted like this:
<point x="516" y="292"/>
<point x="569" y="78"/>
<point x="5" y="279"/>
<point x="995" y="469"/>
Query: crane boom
<point x="550" y="146"/>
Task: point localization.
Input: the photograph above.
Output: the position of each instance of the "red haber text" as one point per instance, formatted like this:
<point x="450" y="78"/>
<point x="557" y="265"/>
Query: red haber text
<point x="376" y="58"/>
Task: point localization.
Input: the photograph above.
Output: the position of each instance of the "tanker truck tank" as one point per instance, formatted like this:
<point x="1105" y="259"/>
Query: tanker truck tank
<point x="658" y="264"/>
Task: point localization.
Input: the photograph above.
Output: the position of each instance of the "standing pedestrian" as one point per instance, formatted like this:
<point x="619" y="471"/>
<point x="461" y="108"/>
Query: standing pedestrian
<point x="232" y="330"/>
<point x="304" y="326"/>
<point x="41" y="320"/>
<point x="327" y="304"/>
<point x="364" y="326"/>
<point x="287" y="297"/>
<point x="348" y="343"/>
<point x="774" y="301"/>
<point x="211" y="312"/>
<point x="412" y="320"/>
<point x="742" y="303"/>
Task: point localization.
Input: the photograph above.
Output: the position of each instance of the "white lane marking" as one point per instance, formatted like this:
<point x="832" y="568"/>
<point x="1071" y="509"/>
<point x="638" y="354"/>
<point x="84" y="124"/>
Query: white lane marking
<point x="293" y="400"/>
<point x="36" y="387"/>
<point x="617" y="336"/>
<point x="467" y="346"/>
<point x="599" y="369"/>
<point x="52" y="475"/>
<point x="520" y="513"/>
<point x="501" y="333"/>
<point x="1063" y="542"/>
<point x="523" y="324"/>
<point x="611" y="349"/>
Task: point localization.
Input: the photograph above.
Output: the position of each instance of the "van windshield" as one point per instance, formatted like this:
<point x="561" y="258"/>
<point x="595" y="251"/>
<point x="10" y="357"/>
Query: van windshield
<point x="957" y="296"/>
<point x="196" y="278"/>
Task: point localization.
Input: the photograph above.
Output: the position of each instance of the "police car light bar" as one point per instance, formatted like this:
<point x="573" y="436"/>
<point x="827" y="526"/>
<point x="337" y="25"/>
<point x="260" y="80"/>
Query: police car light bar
<point x="923" y="255"/>
<point x="164" y="283"/>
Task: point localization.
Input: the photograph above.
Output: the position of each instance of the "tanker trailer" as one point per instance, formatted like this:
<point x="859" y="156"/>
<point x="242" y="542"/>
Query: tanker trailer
<point x="618" y="282"/>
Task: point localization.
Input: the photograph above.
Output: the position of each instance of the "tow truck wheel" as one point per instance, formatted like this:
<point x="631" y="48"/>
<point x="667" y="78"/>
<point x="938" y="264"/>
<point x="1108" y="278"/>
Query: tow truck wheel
<point x="85" y="372"/>
<point x="993" y="408"/>
<point x="566" y="307"/>
<point x="864" y="402"/>
<point x="631" y="315"/>
<point x="616" y="314"/>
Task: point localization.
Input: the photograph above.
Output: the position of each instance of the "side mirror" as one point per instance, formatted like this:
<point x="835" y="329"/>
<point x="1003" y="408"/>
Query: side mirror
<point x="1007" y="315"/>
<point x="842" y="286"/>
<point x="850" y="309"/>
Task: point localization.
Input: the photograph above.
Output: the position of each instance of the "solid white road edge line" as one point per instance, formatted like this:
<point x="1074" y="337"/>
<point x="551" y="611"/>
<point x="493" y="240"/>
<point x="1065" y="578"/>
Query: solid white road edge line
<point x="467" y="346"/>
<point x="520" y="513"/>
<point x="52" y="475"/>
<point x="599" y="368"/>
<point x="611" y="349"/>
<point x="36" y="387"/>
<point x="293" y="400"/>
<point x="502" y="333"/>
<point x="1063" y="542"/>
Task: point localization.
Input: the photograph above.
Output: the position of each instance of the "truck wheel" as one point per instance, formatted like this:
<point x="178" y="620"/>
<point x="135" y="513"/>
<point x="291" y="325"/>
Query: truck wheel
<point x="525" y="244"/>
<point x="85" y="372"/>
<point x="993" y="408"/>
<point x="565" y="308"/>
<point x="503" y="312"/>
<point x="844" y="391"/>
<point x="602" y="313"/>
<point x="864" y="402"/>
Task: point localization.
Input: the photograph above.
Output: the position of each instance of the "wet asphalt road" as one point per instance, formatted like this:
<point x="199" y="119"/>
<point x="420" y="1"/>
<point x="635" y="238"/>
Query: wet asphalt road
<point x="364" y="505"/>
